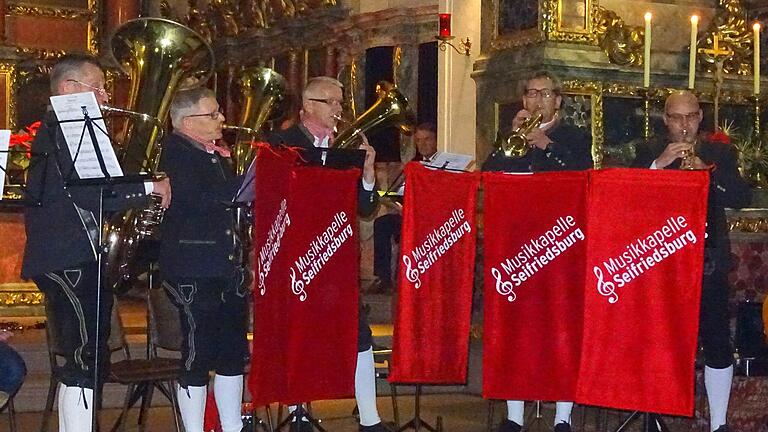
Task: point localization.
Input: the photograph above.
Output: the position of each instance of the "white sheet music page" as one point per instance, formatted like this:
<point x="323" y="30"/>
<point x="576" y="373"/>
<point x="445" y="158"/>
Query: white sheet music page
<point x="5" y="143"/>
<point x="455" y="161"/>
<point x="71" y="107"/>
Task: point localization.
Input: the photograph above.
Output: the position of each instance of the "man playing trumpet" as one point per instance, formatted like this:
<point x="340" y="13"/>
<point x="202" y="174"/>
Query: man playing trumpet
<point x="683" y="146"/>
<point x="555" y="146"/>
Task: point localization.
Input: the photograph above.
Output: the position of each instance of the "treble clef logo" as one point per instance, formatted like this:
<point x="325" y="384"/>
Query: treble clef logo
<point x="504" y="288"/>
<point x="262" y="287"/>
<point x="605" y="288"/>
<point x="411" y="273"/>
<point x="297" y="286"/>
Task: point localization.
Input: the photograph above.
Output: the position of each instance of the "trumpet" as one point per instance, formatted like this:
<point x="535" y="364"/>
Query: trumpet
<point x="689" y="154"/>
<point x="516" y="145"/>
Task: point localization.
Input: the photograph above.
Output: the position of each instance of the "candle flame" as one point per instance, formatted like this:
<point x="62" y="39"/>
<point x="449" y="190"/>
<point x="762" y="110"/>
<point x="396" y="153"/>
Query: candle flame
<point x="648" y="16"/>
<point x="694" y="19"/>
<point x="756" y="26"/>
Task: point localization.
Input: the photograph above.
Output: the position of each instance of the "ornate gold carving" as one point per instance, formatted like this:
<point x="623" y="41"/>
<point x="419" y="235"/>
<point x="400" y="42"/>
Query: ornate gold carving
<point x="525" y="37"/>
<point x="746" y="224"/>
<point x="39" y="11"/>
<point x="593" y="89"/>
<point x="229" y="18"/>
<point x="622" y="43"/>
<point x="553" y="23"/>
<point x="40" y="54"/>
<point x="20" y="294"/>
<point x="728" y="39"/>
<point x="9" y="71"/>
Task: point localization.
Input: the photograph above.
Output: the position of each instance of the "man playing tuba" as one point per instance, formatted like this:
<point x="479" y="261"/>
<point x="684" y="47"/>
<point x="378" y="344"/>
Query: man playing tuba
<point x="60" y="255"/>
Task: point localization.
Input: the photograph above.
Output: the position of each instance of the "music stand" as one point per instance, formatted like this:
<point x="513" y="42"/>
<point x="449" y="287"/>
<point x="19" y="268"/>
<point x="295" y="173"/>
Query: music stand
<point x="105" y="184"/>
<point x="648" y="422"/>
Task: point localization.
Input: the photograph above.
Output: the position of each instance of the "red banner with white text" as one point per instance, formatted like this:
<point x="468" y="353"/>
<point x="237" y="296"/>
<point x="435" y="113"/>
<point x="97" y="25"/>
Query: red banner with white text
<point x="437" y="263"/>
<point x="306" y="295"/>
<point x="534" y="255"/>
<point x="643" y="288"/>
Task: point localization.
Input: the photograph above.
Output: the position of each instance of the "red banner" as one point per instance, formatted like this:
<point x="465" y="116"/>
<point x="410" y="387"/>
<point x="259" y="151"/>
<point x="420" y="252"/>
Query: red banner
<point x="437" y="263"/>
<point x="534" y="255"/>
<point x="306" y="296"/>
<point x="643" y="287"/>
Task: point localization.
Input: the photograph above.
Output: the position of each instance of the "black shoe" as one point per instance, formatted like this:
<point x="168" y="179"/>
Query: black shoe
<point x="563" y="427"/>
<point x="301" y="426"/>
<point x="378" y="427"/>
<point x="509" y="426"/>
<point x="723" y="428"/>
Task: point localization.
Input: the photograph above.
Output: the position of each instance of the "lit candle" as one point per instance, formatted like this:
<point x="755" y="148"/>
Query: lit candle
<point x="692" y="55"/>
<point x="756" y="42"/>
<point x="647" y="53"/>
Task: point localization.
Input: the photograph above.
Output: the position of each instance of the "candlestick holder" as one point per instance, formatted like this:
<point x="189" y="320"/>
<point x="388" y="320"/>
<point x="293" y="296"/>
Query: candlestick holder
<point x="756" y="129"/>
<point x="649" y="94"/>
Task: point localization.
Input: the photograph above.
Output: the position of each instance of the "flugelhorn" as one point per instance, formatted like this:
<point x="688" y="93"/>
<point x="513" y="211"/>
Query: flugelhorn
<point x="390" y="109"/>
<point x="516" y="145"/>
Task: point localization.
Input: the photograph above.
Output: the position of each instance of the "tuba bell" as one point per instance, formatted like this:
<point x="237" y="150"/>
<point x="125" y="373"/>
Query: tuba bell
<point x="159" y="55"/>
<point x="390" y="109"/>
<point x="261" y="89"/>
<point x="516" y="145"/>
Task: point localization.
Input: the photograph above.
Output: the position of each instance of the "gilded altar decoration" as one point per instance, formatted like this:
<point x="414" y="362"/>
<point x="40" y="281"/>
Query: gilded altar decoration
<point x="230" y="18"/>
<point x="623" y="44"/>
<point x="728" y="40"/>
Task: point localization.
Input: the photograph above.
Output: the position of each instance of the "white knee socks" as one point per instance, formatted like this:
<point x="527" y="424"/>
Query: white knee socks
<point x="365" y="389"/>
<point x="192" y="406"/>
<point x="75" y="409"/>
<point x="515" y="411"/>
<point x="718" y="385"/>
<point x="563" y="412"/>
<point x="228" y="391"/>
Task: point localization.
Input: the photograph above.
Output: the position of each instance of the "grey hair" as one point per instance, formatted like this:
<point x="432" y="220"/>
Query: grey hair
<point x="70" y="67"/>
<point x="316" y="82"/>
<point x="185" y="102"/>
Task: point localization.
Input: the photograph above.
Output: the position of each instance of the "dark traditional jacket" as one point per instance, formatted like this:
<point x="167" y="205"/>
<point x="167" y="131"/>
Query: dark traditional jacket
<point x="726" y="189"/>
<point x="198" y="230"/>
<point x="571" y="149"/>
<point x="299" y="136"/>
<point x="57" y="237"/>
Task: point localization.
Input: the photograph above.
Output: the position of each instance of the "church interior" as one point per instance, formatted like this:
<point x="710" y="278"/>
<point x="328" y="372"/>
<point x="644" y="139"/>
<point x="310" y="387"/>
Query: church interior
<point x="460" y="64"/>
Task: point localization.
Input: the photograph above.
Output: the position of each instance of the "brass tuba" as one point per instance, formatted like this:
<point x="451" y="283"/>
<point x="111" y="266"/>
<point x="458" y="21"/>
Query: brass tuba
<point x="390" y="109"/>
<point x="159" y="55"/>
<point x="262" y="88"/>
<point x="516" y="145"/>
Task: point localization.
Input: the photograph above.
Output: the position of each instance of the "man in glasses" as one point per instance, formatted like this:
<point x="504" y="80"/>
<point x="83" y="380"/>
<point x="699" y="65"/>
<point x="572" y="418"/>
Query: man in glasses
<point x="321" y="109"/>
<point x="60" y="254"/>
<point x="200" y="260"/>
<point x="555" y="145"/>
<point x="682" y="117"/>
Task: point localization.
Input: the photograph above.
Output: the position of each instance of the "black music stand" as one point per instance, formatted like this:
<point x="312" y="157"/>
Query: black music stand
<point x="652" y="422"/>
<point x="28" y="198"/>
<point x="105" y="184"/>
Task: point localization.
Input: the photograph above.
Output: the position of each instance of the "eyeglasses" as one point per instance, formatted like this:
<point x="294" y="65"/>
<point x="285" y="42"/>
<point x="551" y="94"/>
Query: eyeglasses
<point x="213" y="115"/>
<point x="680" y="118"/>
<point x="327" y="101"/>
<point x="100" y="90"/>
<point x="545" y="93"/>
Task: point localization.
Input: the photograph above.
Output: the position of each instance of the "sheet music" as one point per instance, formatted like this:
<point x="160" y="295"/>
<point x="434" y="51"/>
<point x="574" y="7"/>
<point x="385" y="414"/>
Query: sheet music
<point x="70" y="107"/>
<point x="455" y="161"/>
<point x="5" y="143"/>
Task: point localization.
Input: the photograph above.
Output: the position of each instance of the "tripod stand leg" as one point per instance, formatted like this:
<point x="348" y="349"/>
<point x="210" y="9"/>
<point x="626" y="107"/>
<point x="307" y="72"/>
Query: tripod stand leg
<point x="627" y="421"/>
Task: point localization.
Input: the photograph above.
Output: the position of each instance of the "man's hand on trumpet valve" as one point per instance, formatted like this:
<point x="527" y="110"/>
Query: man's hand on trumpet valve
<point x="677" y="150"/>
<point x="520" y="117"/>
<point x="162" y="188"/>
<point x="537" y="138"/>
<point x="369" y="176"/>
